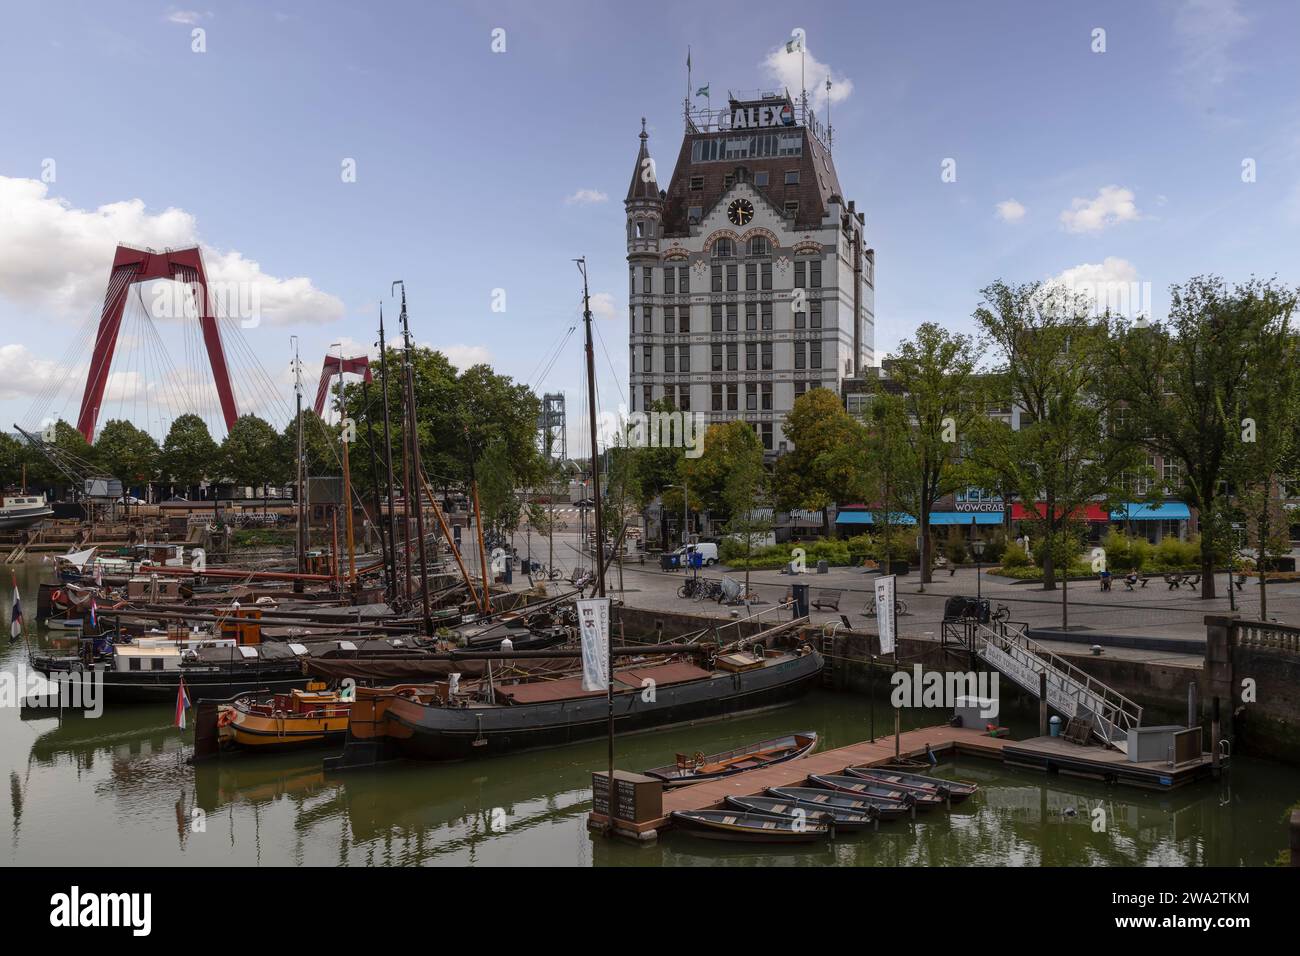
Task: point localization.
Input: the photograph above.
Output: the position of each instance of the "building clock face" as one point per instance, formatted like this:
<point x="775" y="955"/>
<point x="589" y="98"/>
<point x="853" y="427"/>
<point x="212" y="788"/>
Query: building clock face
<point x="740" y="212"/>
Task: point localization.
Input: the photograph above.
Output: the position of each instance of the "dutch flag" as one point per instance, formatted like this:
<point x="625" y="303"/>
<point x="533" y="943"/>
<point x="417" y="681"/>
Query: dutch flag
<point x="182" y="703"/>
<point x="16" y="614"/>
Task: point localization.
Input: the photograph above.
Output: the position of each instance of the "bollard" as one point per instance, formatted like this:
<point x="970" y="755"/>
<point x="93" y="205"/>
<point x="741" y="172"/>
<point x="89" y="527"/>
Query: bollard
<point x="1214" y="738"/>
<point x="1193" y="708"/>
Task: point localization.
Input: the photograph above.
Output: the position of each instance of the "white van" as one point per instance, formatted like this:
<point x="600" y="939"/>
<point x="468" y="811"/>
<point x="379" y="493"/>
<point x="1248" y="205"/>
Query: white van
<point x="707" y="550"/>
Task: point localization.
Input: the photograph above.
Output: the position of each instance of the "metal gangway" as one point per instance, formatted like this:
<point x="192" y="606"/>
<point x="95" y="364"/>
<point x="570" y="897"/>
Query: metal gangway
<point x="1071" y="692"/>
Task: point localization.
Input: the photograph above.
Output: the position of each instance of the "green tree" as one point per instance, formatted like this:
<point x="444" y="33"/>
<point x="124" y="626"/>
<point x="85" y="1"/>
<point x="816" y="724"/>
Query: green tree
<point x="745" y="491"/>
<point x="935" y="372"/>
<point x="1184" y="384"/>
<point x="819" y="470"/>
<point x="251" y="454"/>
<point x="11" y="460"/>
<point x="128" y="453"/>
<point x="189" y="455"/>
<point x="726" y="446"/>
<point x="1067" y="449"/>
<point x="888" y="472"/>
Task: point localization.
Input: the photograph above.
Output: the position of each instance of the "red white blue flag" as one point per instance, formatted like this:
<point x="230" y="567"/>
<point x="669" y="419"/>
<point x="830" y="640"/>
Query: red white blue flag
<point x="16" y="614"/>
<point x="182" y="703"/>
<point x="94" y="622"/>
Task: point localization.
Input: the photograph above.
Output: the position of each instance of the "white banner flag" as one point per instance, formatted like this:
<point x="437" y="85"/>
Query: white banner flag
<point x="885" y="622"/>
<point x="593" y="624"/>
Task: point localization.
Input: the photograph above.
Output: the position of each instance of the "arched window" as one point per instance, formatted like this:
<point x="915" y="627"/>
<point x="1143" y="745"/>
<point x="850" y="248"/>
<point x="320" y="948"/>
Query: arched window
<point x="759" y="246"/>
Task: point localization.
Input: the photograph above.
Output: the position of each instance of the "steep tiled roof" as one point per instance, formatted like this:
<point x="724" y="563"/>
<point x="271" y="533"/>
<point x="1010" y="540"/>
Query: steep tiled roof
<point x="643" y="187"/>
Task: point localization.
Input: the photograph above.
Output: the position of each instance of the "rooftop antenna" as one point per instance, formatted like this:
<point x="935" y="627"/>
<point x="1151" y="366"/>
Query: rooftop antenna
<point x="830" y="130"/>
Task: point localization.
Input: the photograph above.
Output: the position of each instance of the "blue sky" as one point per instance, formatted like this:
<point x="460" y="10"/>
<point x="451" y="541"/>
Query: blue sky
<point x="478" y="171"/>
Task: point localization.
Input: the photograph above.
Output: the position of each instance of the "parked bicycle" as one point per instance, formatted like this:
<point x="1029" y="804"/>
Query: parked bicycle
<point x="700" y="589"/>
<point x="900" y="607"/>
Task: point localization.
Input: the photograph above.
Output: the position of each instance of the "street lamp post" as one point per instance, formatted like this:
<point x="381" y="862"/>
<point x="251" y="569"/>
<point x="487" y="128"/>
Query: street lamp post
<point x="978" y="547"/>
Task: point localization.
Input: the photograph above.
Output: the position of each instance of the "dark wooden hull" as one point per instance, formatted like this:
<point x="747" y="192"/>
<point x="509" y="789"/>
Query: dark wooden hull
<point x="801" y="744"/>
<point x="952" y="791"/>
<point x="818" y="799"/>
<point x="426" y="732"/>
<point x="156" y="687"/>
<point x="870" y="788"/>
<point x="739" y="826"/>
<point x="843" y="820"/>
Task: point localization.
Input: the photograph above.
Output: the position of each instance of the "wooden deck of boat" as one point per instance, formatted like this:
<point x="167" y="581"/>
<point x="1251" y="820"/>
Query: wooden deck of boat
<point x="711" y="793"/>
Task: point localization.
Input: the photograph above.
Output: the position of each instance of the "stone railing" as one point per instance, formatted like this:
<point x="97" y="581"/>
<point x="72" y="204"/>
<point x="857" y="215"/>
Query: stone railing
<point x="1265" y="634"/>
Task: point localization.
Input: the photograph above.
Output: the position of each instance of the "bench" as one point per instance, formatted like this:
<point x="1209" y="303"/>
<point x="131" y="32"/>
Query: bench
<point x="1142" y="582"/>
<point x="826" y="599"/>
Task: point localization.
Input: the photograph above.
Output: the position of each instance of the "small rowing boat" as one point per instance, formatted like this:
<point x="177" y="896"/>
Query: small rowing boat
<point x="846" y="784"/>
<point x="782" y="807"/>
<point x="953" y="790"/>
<point x="745" y="827"/>
<point x="813" y="798"/>
<point x="693" y="769"/>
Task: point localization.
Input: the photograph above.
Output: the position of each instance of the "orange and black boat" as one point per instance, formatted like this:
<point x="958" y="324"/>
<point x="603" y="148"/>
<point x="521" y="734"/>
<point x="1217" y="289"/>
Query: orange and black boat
<point x="299" y="718"/>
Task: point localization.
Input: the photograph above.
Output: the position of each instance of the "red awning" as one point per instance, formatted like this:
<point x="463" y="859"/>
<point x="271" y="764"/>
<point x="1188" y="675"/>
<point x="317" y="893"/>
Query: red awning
<point x="1091" y="512"/>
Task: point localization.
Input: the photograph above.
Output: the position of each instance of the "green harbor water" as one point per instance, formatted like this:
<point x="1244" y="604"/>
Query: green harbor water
<point x="117" y="790"/>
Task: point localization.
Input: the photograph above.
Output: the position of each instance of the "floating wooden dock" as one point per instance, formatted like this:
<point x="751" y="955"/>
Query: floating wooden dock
<point x="711" y="794"/>
<point x="1055" y="754"/>
<point x="1050" y="754"/>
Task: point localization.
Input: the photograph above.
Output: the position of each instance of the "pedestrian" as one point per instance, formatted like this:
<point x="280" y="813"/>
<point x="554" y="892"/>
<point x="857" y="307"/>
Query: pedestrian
<point x="1105" y="579"/>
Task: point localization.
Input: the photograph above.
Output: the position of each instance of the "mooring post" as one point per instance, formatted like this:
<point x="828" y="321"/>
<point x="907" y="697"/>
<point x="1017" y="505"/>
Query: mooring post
<point x="1214" y="737"/>
<point x="1193" y="708"/>
<point x="1042" y="703"/>
<point x="1295" y="837"/>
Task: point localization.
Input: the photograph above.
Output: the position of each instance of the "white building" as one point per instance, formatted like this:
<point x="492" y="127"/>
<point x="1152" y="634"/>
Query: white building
<point x="750" y="279"/>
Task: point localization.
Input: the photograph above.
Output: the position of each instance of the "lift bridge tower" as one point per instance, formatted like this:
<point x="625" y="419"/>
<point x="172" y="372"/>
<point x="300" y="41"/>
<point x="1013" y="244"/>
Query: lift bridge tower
<point x="552" y="433"/>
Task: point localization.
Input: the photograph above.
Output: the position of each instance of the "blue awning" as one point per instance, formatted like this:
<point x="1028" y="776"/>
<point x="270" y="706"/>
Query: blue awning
<point x="866" y="517"/>
<point x="1165" y="511"/>
<point x="965" y="517"/>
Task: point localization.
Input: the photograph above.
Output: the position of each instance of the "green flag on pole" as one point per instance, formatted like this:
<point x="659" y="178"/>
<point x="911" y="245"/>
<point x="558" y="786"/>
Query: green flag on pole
<point x="702" y="91"/>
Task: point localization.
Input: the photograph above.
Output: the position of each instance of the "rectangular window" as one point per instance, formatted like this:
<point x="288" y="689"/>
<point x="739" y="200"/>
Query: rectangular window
<point x="751" y="397"/>
<point x="751" y="356"/>
<point x="766" y="356"/>
<point x="815" y="273"/>
<point x="767" y="435"/>
<point x="670" y="359"/>
<point x="134" y="664"/>
<point x="683" y="358"/>
<point x="155" y="664"/>
<point x="760" y="178"/>
<point x="684" y="318"/>
<point x="717" y="277"/>
<point x="815" y="317"/>
<point x="716" y="357"/>
<point x="648" y="280"/>
<point x="767" y="276"/>
<point x="733" y="279"/>
<point x="800" y="388"/>
<point x="792" y="207"/>
<point x="693" y="213"/>
<point x="733" y="318"/>
<point x="647" y="358"/>
<point x="732" y="397"/>
<point x="670" y="318"/>
<point x="799" y="360"/>
<point x="683" y="279"/>
<point x="733" y="357"/>
<point x="631" y="281"/>
<point x="670" y="280"/>
<point x="715" y="311"/>
<point x="766" y="308"/>
<point x="647" y="396"/>
<point x="697" y="183"/>
<point x="723" y="249"/>
<point x="765" y="390"/>
<point x="751" y="316"/>
<point x="815" y="354"/>
<point x="800" y="318"/>
<point x="751" y="276"/>
<point x="647" y="318"/>
<point x="640" y="229"/>
<point x="684" y="398"/>
<point x="800" y="275"/>
<point x="716" y="393"/>
<point x="631" y="319"/>
<point x="792" y="177"/>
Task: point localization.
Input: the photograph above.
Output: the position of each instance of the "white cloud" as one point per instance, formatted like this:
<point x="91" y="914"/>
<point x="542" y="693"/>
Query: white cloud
<point x="586" y="197"/>
<point x="1009" y="210"/>
<point x="1111" y="205"/>
<point x="1108" y="286"/>
<point x="23" y="374"/>
<point x="1205" y="30"/>
<point x="186" y="17"/>
<point x="56" y="258"/>
<point x="787" y="70"/>
<point x="603" y="306"/>
<point x="1110" y="269"/>
<point x="465" y="356"/>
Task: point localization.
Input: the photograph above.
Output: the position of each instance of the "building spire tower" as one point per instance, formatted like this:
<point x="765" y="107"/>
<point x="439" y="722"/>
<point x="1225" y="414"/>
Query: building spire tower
<point x="644" y="208"/>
